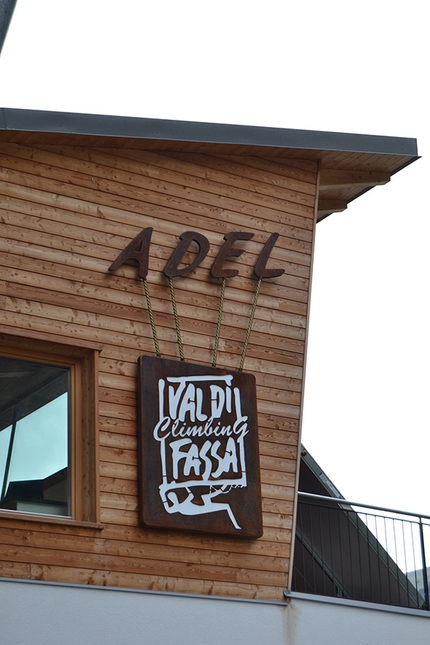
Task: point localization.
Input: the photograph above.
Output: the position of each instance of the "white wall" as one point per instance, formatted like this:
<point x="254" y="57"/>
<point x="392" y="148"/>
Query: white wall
<point x="323" y="623"/>
<point x="45" y="614"/>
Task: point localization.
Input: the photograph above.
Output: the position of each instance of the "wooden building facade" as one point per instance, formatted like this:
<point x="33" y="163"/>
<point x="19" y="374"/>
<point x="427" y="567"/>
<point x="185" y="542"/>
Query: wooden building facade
<point x="75" y="190"/>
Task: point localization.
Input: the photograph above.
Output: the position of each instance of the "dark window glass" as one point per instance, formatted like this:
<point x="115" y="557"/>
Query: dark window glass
<point x="34" y="437"/>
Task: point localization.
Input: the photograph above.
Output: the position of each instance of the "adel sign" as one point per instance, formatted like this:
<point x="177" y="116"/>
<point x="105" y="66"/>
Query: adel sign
<point x="197" y="425"/>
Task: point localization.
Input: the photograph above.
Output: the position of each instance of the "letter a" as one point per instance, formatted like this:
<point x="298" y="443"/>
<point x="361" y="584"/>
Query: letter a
<point x="138" y="251"/>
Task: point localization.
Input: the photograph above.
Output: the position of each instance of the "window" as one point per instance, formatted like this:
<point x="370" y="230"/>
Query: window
<point x="47" y="429"/>
<point x="34" y="436"/>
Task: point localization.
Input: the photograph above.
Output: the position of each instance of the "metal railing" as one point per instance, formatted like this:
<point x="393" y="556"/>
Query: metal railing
<point x="354" y="551"/>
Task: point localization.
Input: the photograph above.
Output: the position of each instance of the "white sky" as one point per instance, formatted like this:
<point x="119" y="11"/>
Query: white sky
<point x="334" y="65"/>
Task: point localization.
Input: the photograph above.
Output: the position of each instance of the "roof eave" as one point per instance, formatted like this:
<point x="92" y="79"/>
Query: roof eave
<point x="12" y="119"/>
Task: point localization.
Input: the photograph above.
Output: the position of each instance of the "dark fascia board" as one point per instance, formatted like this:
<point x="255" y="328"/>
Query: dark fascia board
<point x="188" y="131"/>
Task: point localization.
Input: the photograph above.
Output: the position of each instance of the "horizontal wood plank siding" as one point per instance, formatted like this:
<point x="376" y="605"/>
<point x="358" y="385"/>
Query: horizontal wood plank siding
<point x="66" y="212"/>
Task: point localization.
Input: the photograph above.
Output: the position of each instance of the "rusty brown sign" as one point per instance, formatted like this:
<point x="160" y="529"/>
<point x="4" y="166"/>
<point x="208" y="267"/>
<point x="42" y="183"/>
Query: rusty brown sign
<point x="198" y="448"/>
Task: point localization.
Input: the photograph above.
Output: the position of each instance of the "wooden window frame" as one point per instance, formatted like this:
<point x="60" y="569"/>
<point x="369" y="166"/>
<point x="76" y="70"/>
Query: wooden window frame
<point x="83" y="430"/>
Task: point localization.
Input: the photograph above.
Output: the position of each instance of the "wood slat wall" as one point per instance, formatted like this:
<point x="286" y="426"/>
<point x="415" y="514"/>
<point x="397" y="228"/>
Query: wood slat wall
<point x="66" y="213"/>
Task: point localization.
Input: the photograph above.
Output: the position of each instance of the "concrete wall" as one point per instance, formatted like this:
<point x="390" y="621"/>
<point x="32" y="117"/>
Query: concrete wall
<point x="43" y="613"/>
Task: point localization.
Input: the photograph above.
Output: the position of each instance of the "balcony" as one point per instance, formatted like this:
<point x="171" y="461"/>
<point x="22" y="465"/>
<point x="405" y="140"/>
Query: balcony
<point x="358" y="552"/>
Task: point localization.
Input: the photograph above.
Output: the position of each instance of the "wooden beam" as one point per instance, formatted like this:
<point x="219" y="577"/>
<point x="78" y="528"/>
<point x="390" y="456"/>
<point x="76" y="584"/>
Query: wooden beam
<point x="331" y="179"/>
<point x="328" y="206"/>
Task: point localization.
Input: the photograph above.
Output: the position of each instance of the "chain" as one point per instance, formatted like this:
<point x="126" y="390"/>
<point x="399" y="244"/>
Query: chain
<point x="251" y="320"/>
<point x="151" y="318"/>
<point x="218" y="326"/>
<point x="175" y="314"/>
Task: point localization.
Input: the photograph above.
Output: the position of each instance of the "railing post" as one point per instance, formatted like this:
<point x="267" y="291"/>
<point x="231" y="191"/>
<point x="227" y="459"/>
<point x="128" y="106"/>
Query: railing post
<point x="423" y="556"/>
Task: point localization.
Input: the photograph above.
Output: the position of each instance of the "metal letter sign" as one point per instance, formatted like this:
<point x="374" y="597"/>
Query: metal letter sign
<point x="198" y="435"/>
<point x="198" y="452"/>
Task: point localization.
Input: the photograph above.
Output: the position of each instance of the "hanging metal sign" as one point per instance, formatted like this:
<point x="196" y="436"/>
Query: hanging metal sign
<point x="198" y="454"/>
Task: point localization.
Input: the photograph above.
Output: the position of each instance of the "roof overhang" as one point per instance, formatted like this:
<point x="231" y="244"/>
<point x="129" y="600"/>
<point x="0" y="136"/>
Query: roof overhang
<point x="350" y="164"/>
